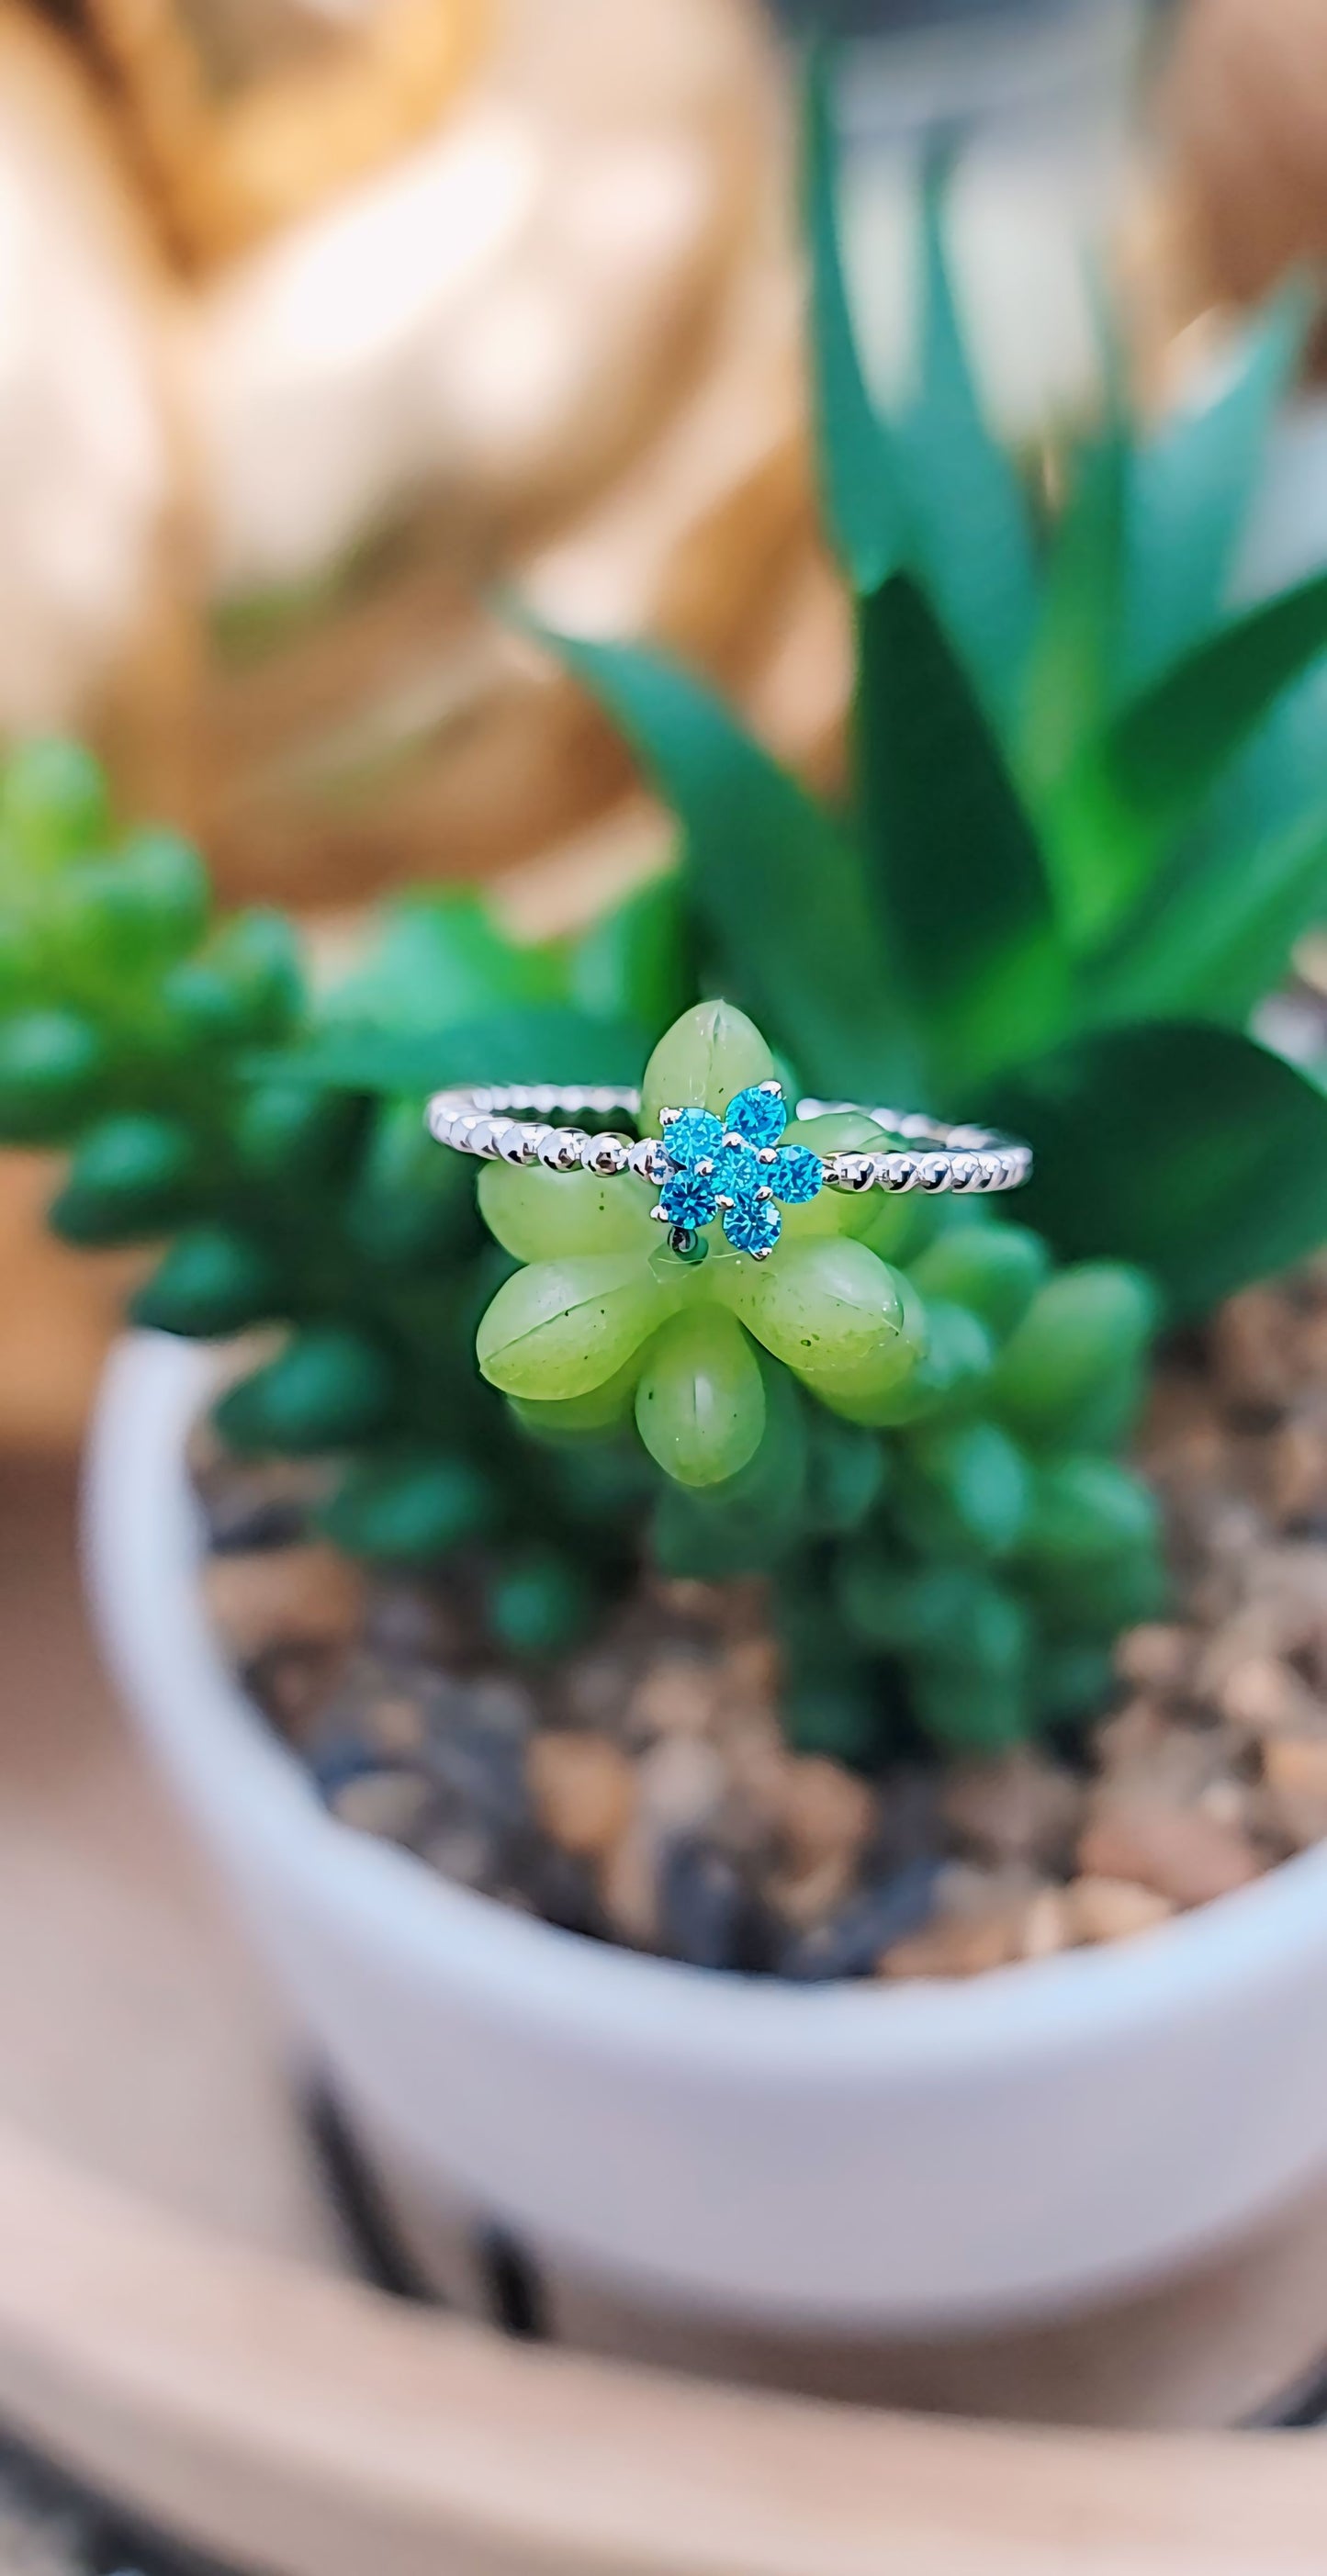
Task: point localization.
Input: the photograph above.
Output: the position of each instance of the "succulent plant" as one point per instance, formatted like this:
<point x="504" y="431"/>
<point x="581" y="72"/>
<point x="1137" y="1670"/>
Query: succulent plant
<point x="1088" y="818"/>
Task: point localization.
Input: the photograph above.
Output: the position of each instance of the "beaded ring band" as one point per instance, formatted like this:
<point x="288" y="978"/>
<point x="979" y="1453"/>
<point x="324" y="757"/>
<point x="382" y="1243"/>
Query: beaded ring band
<point x="732" y="1168"/>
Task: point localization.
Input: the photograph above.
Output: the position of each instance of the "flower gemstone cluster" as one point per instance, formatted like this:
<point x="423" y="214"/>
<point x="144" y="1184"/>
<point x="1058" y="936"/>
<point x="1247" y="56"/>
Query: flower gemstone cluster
<point x="735" y="1168"/>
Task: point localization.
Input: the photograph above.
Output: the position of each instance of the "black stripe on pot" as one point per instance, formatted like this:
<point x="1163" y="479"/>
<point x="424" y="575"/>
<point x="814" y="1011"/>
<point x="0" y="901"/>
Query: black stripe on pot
<point x="513" y="2290"/>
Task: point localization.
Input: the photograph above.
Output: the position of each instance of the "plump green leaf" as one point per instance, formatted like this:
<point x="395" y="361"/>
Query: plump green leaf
<point x="954" y="859"/>
<point x="547" y="1044"/>
<point x="860" y="490"/>
<point x="966" y="506"/>
<point x="775" y="884"/>
<point x="1190" y="487"/>
<point x="1184" y="1148"/>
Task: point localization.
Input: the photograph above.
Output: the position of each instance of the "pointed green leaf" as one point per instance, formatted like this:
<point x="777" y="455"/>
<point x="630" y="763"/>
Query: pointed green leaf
<point x="536" y="1045"/>
<point x="1072" y="670"/>
<point x="956" y="864"/>
<point x="1190" y="488"/>
<point x="859" y="487"/>
<point x="967" y="507"/>
<point x="1159" y="757"/>
<point x="775" y="883"/>
<point x="1220" y="935"/>
<point x="1186" y="1149"/>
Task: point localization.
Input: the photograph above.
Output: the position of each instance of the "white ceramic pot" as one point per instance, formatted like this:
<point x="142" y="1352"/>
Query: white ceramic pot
<point x="855" y="2157"/>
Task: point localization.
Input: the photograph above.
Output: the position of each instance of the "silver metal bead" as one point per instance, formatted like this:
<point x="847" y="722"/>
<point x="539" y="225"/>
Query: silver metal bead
<point x="851" y="1171"/>
<point x="990" y="1172"/>
<point x="669" y="1117"/>
<point x="605" y="1155"/>
<point x="479" y="1137"/>
<point x="933" y="1173"/>
<point x="562" y="1148"/>
<point x="648" y="1161"/>
<point x="965" y="1170"/>
<point x="900" y="1171"/>
<point x="515" y="1143"/>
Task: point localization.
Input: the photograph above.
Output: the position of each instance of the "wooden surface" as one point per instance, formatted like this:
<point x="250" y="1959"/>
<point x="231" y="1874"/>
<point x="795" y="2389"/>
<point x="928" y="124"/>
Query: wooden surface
<point x="174" y="2326"/>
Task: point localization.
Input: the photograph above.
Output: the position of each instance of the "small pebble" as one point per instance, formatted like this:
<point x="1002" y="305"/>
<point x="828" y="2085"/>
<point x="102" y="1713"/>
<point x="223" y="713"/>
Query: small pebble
<point x="290" y="1596"/>
<point x="1156" y="1657"/>
<point x="981" y="1920"/>
<point x="677" y="1696"/>
<point x="1017" y="1807"/>
<point x="826" y="1813"/>
<point x="1253" y="1354"/>
<point x="1175" y="1850"/>
<point x="703" y="1906"/>
<point x="1266" y="1697"/>
<point x="392" y="1804"/>
<point x="871" y="1923"/>
<point x="1297" y="1471"/>
<point x="1112" y="1909"/>
<point x="1295" y="1770"/>
<point x="679" y="1783"/>
<point x="583" y="1788"/>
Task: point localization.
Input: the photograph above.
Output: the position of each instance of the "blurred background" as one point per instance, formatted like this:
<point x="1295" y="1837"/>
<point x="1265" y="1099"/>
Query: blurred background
<point x="327" y="321"/>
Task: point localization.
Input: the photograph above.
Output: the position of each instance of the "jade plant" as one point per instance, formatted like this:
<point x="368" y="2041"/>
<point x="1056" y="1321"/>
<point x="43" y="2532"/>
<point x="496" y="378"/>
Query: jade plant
<point x="1085" y="821"/>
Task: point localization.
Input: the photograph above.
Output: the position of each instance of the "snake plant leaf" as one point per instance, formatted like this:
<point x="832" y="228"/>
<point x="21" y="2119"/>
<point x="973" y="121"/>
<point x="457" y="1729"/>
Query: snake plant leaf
<point x="967" y="507"/>
<point x="1190" y="488"/>
<point x="1160" y="755"/>
<point x="955" y="862"/>
<point x="1221" y="932"/>
<point x="441" y="958"/>
<point x="1071" y="671"/>
<point x="774" y="882"/>
<point x="861" y="490"/>
<point x="1184" y="1148"/>
<point x="632" y="961"/>
<point x="548" y="1043"/>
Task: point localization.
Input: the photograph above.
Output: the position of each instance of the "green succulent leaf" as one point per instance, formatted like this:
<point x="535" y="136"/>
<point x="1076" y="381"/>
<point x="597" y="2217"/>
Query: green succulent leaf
<point x="1190" y="488"/>
<point x="775" y="883"/>
<point x="1161" y="754"/>
<point x="1222" y="927"/>
<point x="440" y="960"/>
<point x="1185" y="1148"/>
<point x="953" y="856"/>
<point x="860" y="488"/>
<point x="967" y="508"/>
<point x="1071" y="672"/>
<point x="548" y="1043"/>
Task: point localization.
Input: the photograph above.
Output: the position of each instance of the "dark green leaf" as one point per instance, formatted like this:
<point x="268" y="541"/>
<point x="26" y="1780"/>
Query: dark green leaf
<point x="966" y="504"/>
<point x="955" y="861"/>
<point x="1163" y="752"/>
<point x="1190" y="488"/>
<point x="776" y="885"/>
<point x="1186" y="1149"/>
<point x="544" y="1044"/>
<point x="1071" y="674"/>
<point x="860" y="490"/>
<point x="1220" y="935"/>
<point x="441" y="958"/>
<point x="632" y="962"/>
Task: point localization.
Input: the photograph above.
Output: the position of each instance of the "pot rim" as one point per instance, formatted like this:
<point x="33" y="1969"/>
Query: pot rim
<point x="141" y="1549"/>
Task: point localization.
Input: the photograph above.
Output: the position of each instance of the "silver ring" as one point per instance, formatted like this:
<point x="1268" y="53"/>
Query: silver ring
<point x="734" y="1168"/>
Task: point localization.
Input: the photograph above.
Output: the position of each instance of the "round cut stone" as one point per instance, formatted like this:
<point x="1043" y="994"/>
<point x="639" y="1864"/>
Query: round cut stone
<point x="692" y="1136"/>
<point x="688" y="1200"/>
<point x="757" y="1115"/>
<point x="795" y="1175"/>
<point x="754" y="1225"/>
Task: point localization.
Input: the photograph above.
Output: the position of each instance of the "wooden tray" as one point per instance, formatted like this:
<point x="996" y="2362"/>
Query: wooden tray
<point x="180" y="2326"/>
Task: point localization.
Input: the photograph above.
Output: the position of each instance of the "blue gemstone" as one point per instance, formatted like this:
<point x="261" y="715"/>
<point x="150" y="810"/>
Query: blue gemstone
<point x="691" y="1136"/>
<point x="759" y="1116"/>
<point x="688" y="1200"/>
<point x="795" y="1175"/>
<point x="754" y="1225"/>
<point x="739" y="1171"/>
